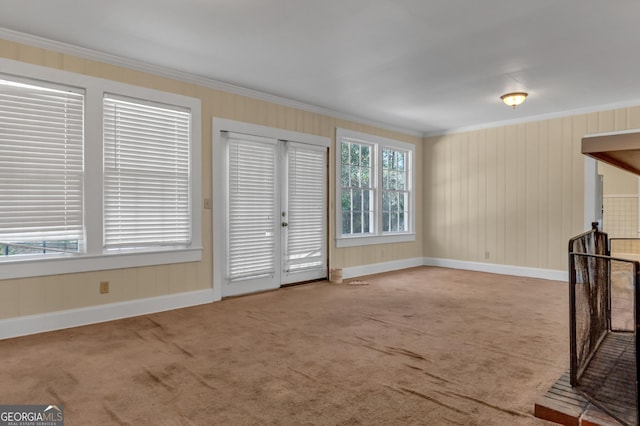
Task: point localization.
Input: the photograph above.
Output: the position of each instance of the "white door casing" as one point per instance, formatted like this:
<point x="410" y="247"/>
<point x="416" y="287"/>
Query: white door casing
<point x="270" y="207"/>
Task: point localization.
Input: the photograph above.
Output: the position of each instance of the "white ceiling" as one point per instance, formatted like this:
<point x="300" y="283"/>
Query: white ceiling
<point x="421" y="65"/>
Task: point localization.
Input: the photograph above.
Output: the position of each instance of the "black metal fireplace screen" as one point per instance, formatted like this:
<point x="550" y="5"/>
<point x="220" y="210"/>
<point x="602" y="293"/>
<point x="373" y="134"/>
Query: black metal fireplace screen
<point x="604" y="323"/>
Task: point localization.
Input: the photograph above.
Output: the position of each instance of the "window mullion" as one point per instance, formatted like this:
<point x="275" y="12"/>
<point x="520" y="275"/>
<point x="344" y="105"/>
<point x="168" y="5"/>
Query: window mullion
<point x="378" y="190"/>
<point x="93" y="162"/>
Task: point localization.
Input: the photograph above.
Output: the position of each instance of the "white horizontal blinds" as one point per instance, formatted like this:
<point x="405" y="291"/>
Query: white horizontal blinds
<point x="251" y="206"/>
<point x="41" y="164"/>
<point x="146" y="174"/>
<point x="307" y="187"/>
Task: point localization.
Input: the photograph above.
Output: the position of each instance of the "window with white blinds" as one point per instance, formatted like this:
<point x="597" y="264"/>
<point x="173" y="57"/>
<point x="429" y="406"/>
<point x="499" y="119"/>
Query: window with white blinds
<point x="146" y="174"/>
<point x="41" y="168"/>
<point x="251" y="206"/>
<point x="95" y="174"/>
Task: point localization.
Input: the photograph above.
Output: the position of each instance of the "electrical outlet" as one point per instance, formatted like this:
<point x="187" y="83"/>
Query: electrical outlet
<point x="104" y="287"/>
<point x="487" y="255"/>
<point x="207" y="203"/>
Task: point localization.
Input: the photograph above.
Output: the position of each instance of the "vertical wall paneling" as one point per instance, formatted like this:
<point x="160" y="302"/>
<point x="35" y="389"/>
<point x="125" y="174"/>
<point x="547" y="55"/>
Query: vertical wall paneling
<point x="605" y="121"/>
<point x="473" y="179"/>
<point x="482" y="196"/>
<point x="543" y="193"/>
<point x="532" y="195"/>
<point x="521" y="196"/>
<point x="567" y="177"/>
<point x="633" y="117"/>
<point x="447" y="185"/>
<point x="488" y="249"/>
<point x="460" y="182"/>
<point x="511" y="184"/>
<point x="555" y="246"/>
<point x="621" y="119"/>
<point x="525" y="189"/>
<point x="582" y="125"/>
<point x="498" y="255"/>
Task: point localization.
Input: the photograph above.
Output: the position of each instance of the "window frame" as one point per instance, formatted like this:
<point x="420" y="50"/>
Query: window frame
<point x="95" y="257"/>
<point x="377" y="236"/>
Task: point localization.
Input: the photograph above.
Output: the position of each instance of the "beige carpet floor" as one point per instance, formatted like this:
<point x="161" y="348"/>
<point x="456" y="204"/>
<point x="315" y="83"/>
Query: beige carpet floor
<point x="423" y="346"/>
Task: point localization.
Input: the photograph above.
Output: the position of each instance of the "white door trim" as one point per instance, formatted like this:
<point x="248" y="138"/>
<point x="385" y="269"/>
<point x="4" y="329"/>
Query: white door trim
<point x="590" y="183"/>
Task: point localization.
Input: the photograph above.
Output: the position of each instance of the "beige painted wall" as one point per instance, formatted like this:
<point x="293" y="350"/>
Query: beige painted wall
<point x="617" y="181"/>
<point x="514" y="193"/>
<point x="53" y="293"/>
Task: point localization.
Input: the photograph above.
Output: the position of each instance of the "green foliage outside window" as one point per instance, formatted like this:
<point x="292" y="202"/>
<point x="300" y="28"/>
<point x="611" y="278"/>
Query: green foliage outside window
<point x="356" y="199"/>
<point x="38" y="247"/>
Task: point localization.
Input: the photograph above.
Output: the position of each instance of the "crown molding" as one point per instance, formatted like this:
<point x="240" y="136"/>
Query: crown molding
<point x="133" y="64"/>
<point x="539" y="117"/>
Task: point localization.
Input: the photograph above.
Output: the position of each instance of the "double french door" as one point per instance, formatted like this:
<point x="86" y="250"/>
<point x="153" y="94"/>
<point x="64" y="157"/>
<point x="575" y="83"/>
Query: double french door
<point x="276" y="213"/>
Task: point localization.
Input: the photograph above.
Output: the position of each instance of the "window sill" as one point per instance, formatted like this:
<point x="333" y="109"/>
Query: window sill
<point x="374" y="239"/>
<point x="68" y="264"/>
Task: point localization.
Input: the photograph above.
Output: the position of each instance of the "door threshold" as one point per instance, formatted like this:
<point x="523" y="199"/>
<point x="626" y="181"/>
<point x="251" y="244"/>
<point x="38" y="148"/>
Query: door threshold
<point x="316" y="280"/>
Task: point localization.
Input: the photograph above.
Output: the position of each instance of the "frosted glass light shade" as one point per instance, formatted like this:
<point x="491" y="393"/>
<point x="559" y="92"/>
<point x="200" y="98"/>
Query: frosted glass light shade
<point x="514" y="99"/>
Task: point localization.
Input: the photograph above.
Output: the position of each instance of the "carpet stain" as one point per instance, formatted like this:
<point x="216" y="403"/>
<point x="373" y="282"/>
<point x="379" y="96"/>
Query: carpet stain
<point x="378" y="350"/>
<point x="527" y="358"/>
<point x="387" y="323"/>
<point x="303" y="374"/>
<point x="406" y="352"/>
<point x="114" y="415"/>
<point x="200" y="380"/>
<point x="479" y="401"/>
<point x="68" y="379"/>
<point x="435" y="376"/>
<point x="440" y="380"/>
<point x="160" y="338"/>
<point x="394" y="389"/>
<point x="453" y="422"/>
<point x="176" y="345"/>
<point x="56" y="396"/>
<point x="413" y="367"/>
<point x="402" y="327"/>
<point x="157" y="324"/>
<point x="251" y="315"/>
<point x="157" y="379"/>
<point x="183" y="350"/>
<point x="431" y="399"/>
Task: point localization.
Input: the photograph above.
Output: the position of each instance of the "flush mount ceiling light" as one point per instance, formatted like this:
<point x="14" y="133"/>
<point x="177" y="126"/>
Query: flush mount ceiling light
<point x="514" y="99"/>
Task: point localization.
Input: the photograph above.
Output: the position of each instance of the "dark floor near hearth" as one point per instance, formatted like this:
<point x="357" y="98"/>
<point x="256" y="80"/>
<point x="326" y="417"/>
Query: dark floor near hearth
<point x="610" y="378"/>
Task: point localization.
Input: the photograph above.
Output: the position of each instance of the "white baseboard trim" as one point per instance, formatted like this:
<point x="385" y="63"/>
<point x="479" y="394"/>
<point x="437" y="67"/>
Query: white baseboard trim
<point x="377" y="268"/>
<point x="32" y="324"/>
<point x="519" y="271"/>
